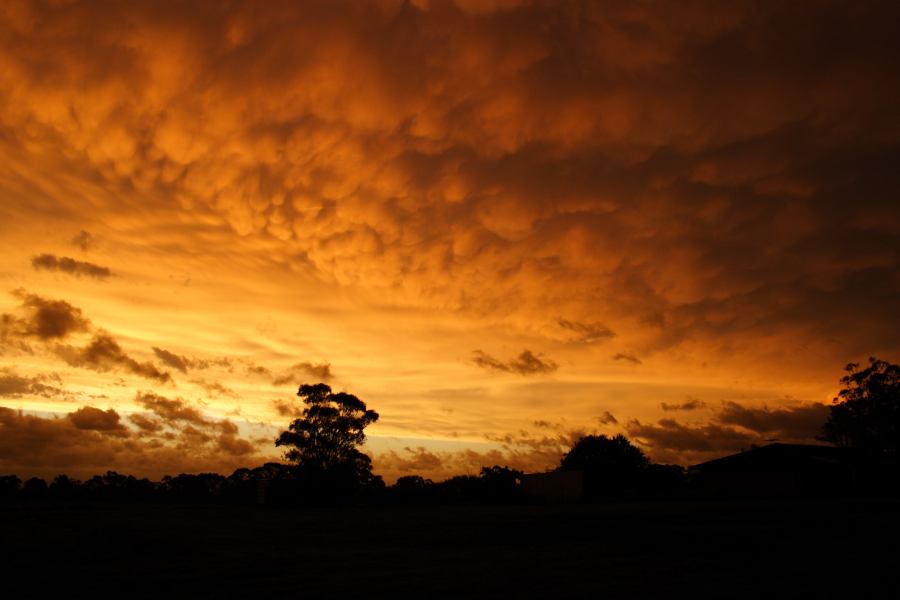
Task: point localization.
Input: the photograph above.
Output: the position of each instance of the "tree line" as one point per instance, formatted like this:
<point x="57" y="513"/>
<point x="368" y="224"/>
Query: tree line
<point x="326" y="467"/>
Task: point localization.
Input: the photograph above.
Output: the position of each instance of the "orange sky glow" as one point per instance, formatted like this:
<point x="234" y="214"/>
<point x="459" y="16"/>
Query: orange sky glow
<point x="500" y="224"/>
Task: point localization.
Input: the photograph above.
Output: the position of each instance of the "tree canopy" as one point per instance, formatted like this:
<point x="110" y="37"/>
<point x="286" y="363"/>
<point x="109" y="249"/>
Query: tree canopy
<point x="866" y="412"/>
<point x="594" y="452"/>
<point x="611" y="465"/>
<point x="324" y="442"/>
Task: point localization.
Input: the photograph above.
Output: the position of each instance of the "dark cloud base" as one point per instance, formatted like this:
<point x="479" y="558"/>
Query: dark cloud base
<point x="64" y="264"/>
<point x="172" y="437"/>
<point x="527" y="363"/>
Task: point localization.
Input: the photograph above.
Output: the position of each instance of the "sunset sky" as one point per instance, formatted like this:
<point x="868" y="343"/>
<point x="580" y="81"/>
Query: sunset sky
<point x="501" y="224"/>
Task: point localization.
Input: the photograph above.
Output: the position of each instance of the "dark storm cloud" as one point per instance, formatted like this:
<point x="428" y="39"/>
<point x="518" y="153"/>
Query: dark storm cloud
<point x="793" y="422"/>
<point x="235" y="446"/>
<point x="286" y="408"/>
<point x="13" y="385"/>
<point x="145" y="423"/>
<point x="46" y="319"/>
<point x="194" y="429"/>
<point x="171" y="411"/>
<point x="731" y="428"/>
<point x="50" y="320"/>
<point x="29" y="442"/>
<point x="527" y="363"/>
<point x="175" y="361"/>
<point x="90" y="441"/>
<point x="416" y="460"/>
<point x="88" y="417"/>
<point x="104" y="353"/>
<point x="183" y="363"/>
<point x="64" y="264"/>
<point x="670" y="435"/>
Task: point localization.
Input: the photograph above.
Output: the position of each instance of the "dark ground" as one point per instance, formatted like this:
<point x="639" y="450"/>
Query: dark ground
<point x="791" y="549"/>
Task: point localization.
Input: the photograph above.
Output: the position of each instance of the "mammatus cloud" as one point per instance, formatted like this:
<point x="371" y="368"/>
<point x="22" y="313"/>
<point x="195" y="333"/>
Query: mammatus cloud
<point x="527" y="363"/>
<point x="64" y="264"/>
<point x="628" y="358"/>
<point x="613" y="165"/>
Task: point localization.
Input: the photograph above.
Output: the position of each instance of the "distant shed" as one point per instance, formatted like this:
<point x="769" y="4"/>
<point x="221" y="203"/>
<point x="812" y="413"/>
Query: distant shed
<point x="554" y="486"/>
<point x="780" y="469"/>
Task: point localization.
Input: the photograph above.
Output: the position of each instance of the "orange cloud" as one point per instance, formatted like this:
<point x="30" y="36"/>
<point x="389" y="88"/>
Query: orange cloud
<point x="384" y="186"/>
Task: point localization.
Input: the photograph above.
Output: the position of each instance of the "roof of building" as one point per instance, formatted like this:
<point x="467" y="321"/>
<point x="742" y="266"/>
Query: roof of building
<point x="776" y="456"/>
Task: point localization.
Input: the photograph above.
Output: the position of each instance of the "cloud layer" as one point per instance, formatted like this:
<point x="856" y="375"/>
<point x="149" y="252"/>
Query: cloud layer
<point x="174" y="438"/>
<point x="698" y="196"/>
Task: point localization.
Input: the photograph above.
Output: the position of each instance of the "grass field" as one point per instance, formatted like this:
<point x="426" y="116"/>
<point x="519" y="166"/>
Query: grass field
<point x="711" y="550"/>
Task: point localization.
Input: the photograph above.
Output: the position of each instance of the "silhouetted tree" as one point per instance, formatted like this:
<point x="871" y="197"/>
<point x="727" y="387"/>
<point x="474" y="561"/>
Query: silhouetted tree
<point x="9" y="487"/>
<point x="64" y="488"/>
<point x="500" y="484"/>
<point x="113" y="487"/>
<point x="866" y="413"/>
<point x="461" y="488"/>
<point x="612" y="466"/>
<point x="412" y="489"/>
<point x="34" y="489"/>
<point x="323" y="443"/>
<point x="241" y="486"/>
<point x="202" y="487"/>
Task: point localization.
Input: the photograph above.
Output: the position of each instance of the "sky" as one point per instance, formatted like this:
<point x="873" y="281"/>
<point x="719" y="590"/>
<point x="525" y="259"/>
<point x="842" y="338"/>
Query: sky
<point x="501" y="224"/>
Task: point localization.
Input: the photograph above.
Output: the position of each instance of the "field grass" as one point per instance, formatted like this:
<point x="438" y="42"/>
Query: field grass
<point x="713" y="550"/>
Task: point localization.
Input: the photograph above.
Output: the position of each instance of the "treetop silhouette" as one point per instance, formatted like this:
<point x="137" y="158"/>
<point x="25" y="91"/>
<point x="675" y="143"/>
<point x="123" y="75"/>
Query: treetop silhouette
<point x="330" y="430"/>
<point x="866" y="412"/>
<point x="611" y="465"/>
